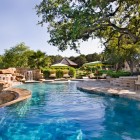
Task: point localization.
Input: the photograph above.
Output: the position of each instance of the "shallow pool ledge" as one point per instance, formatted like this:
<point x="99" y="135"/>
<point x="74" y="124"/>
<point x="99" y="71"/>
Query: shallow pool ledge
<point x="18" y="95"/>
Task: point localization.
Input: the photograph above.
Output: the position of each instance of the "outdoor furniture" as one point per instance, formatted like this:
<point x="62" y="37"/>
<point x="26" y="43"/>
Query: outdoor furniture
<point x="91" y="76"/>
<point x="103" y="76"/>
<point x="66" y="75"/>
<point x="52" y="75"/>
<point x="137" y="83"/>
<point x="85" y="77"/>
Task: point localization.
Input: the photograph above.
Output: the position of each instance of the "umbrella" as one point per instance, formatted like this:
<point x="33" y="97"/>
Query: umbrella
<point x="95" y="63"/>
<point x="59" y="65"/>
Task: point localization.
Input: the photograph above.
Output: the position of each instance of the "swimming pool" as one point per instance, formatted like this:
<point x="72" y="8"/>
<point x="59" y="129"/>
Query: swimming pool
<point x="58" y="111"/>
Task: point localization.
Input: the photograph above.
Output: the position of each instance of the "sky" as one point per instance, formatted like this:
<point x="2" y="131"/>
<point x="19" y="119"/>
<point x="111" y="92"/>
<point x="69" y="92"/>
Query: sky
<point x="18" y="23"/>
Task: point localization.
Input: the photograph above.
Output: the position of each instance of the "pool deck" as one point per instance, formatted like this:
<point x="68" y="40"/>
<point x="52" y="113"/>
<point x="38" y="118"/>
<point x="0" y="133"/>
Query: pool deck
<point x="103" y="87"/>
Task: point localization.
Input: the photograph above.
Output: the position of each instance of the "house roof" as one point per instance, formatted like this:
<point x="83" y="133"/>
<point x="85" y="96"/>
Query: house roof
<point x="68" y="62"/>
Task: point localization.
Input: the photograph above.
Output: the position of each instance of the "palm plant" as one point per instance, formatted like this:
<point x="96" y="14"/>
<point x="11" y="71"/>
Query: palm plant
<point x="38" y="60"/>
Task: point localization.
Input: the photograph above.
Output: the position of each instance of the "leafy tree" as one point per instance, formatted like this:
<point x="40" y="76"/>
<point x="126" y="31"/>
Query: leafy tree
<point x="38" y="60"/>
<point x="80" y="60"/>
<point x="93" y="57"/>
<point x="16" y="56"/>
<point x="1" y="61"/>
<point x="120" y="51"/>
<point x="72" y="21"/>
<point x="56" y="58"/>
<point x="72" y="58"/>
<point x="131" y="51"/>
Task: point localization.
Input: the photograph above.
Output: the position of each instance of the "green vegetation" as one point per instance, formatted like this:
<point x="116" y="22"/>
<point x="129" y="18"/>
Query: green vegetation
<point x="59" y="73"/>
<point x="118" y="74"/>
<point x="46" y="72"/>
<point x="38" y="60"/>
<point x="125" y="51"/>
<point x="21" y="56"/>
<point x="16" y="56"/>
<point x="116" y="23"/>
<point x="82" y="20"/>
<point x="72" y="72"/>
<point x="115" y="74"/>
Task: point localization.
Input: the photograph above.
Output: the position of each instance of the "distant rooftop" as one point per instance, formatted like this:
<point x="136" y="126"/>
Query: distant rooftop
<point x="68" y="62"/>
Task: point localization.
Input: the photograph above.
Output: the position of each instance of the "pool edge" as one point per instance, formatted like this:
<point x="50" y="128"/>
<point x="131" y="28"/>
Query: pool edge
<point x="21" y="94"/>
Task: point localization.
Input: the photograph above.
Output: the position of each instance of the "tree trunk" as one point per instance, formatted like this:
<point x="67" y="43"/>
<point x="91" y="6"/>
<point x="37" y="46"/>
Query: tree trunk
<point x="118" y="67"/>
<point x="131" y="65"/>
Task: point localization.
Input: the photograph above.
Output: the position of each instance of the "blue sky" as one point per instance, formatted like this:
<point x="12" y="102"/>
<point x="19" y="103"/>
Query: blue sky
<point x="19" y="24"/>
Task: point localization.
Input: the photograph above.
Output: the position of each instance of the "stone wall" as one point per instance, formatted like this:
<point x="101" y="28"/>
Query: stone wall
<point x="1" y="86"/>
<point x="34" y="73"/>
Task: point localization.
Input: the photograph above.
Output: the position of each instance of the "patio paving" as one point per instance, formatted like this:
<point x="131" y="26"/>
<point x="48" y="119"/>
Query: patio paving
<point x="103" y="87"/>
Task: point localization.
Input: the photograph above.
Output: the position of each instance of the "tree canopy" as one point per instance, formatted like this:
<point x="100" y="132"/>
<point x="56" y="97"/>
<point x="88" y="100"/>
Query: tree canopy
<point x="16" y="56"/>
<point x="38" y="59"/>
<point x="72" y="21"/>
<point x="118" y="52"/>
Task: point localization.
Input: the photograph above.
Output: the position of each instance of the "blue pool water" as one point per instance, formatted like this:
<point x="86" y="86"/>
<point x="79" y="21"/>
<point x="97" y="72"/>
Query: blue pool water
<point x="59" y="111"/>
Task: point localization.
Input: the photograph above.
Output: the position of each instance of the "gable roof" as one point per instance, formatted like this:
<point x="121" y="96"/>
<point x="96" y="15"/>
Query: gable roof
<point x="68" y="62"/>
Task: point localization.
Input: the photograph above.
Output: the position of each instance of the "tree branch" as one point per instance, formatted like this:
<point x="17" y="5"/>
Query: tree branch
<point x="125" y="31"/>
<point x="114" y="13"/>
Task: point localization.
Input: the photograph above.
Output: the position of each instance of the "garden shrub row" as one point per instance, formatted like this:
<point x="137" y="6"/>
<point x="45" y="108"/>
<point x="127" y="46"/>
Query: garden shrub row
<point x="59" y="72"/>
<point x="115" y="74"/>
<point x="72" y="72"/>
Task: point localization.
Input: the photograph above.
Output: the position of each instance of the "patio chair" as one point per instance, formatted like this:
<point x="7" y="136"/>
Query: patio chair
<point x="137" y="83"/>
<point x="66" y="75"/>
<point x="52" y="75"/>
<point x="85" y="77"/>
<point x="103" y="76"/>
<point x="91" y="76"/>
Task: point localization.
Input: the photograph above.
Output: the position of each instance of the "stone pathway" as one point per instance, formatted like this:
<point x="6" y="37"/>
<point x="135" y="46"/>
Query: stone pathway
<point x="105" y="88"/>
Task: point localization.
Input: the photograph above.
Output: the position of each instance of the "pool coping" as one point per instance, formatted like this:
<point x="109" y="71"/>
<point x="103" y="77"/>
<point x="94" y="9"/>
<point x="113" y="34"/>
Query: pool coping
<point x="110" y="91"/>
<point x="21" y="94"/>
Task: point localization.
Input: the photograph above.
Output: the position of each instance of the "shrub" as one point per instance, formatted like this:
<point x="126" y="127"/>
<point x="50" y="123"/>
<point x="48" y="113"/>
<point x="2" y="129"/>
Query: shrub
<point x="79" y="76"/>
<point x="52" y="71"/>
<point x="59" y="73"/>
<point x="72" y="72"/>
<point x="46" y="73"/>
<point x="118" y="74"/>
<point x="93" y="69"/>
<point x="65" y="71"/>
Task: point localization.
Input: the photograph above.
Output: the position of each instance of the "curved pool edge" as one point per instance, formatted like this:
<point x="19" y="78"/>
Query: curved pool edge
<point x="101" y="92"/>
<point x="21" y="94"/>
